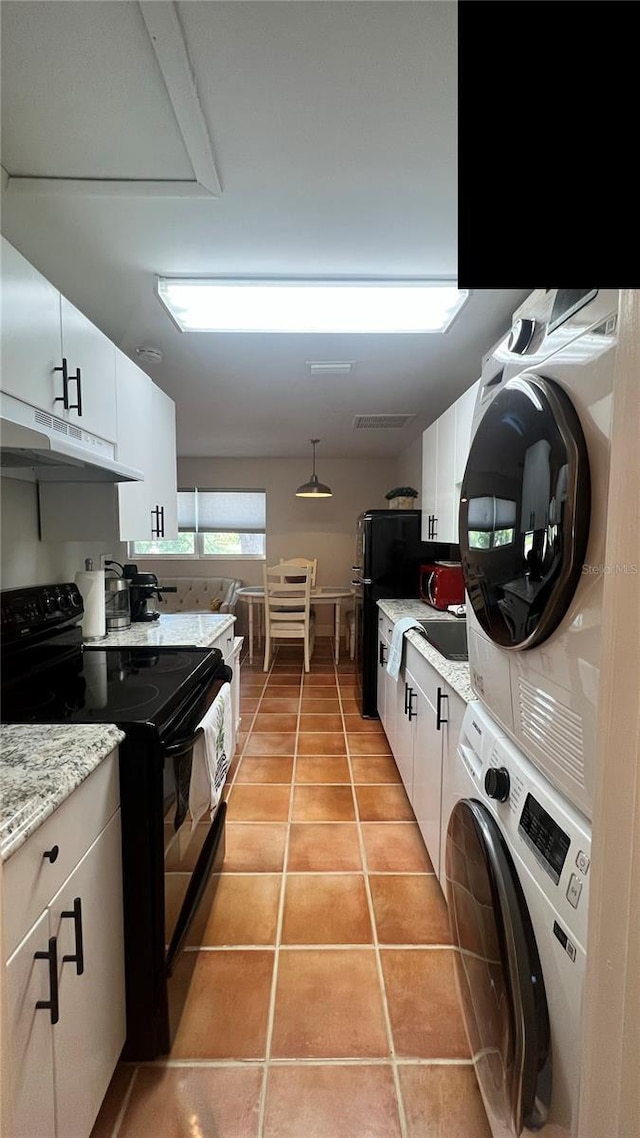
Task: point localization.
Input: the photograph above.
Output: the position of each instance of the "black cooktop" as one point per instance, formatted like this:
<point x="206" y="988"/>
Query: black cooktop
<point x="114" y="685"/>
<point x="48" y="677"/>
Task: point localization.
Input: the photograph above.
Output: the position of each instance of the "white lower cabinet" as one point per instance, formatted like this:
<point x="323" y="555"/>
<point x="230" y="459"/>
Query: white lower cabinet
<point x="386" y="688"/>
<point x="64" y="980"/>
<point x="426" y="729"/>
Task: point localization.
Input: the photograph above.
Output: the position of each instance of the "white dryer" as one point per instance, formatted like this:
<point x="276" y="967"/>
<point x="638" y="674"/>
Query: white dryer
<point x="533" y="525"/>
<point x="516" y="879"/>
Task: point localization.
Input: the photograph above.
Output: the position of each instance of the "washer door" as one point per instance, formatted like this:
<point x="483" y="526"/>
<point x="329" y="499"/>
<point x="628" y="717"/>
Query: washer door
<point x="498" y="971"/>
<point x="524" y="512"/>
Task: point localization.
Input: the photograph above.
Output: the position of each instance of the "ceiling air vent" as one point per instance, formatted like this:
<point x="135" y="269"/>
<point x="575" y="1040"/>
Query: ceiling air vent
<point x="330" y="367"/>
<point x="380" y="422"/>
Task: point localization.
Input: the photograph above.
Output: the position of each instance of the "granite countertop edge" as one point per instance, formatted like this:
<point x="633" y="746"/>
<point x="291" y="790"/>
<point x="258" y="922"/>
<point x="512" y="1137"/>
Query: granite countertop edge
<point x="40" y="767"/>
<point x="171" y="630"/>
<point x="453" y="672"/>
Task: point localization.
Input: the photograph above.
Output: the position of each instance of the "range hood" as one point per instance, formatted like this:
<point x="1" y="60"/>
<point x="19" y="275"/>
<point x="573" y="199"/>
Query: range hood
<point x="56" y="451"/>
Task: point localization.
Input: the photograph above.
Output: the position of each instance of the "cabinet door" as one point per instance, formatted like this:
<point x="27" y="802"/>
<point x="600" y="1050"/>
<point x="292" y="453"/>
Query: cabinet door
<point x="429" y="479"/>
<point x="85" y="347"/>
<point x="404" y="728"/>
<point x="31" y="1034"/>
<point x="455" y="709"/>
<point x="383" y="656"/>
<point x="133" y="402"/>
<point x="86" y="917"/>
<point x="31" y="345"/>
<point x="427" y="774"/>
<point x="164" y="475"/>
<point x="446" y="529"/>
<point x="464" y="417"/>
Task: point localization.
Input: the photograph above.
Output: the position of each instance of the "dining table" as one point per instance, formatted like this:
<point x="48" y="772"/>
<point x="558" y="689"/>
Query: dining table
<point x="320" y="595"/>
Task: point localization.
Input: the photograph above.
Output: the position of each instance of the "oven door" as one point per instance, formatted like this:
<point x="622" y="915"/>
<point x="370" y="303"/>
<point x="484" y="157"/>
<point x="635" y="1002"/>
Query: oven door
<point x="190" y="852"/>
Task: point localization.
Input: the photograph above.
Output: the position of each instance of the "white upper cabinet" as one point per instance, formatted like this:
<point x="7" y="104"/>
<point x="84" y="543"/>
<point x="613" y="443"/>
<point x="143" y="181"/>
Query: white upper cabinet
<point x="53" y="358"/>
<point x="91" y="373"/>
<point x="429" y="479"/>
<point x="147" y="439"/>
<point x="445" y="449"/>
<point x="31" y="340"/>
<point x="163" y="475"/>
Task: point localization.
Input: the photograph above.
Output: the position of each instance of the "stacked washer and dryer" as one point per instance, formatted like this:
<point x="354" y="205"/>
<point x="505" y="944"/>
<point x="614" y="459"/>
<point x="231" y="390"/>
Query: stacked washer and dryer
<point x="517" y="801"/>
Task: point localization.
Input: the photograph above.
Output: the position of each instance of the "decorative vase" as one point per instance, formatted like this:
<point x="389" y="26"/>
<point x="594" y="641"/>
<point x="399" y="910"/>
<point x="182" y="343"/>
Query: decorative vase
<point x="402" y="504"/>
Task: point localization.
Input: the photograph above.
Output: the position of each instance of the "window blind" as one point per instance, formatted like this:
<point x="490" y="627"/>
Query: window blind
<point x="222" y="511"/>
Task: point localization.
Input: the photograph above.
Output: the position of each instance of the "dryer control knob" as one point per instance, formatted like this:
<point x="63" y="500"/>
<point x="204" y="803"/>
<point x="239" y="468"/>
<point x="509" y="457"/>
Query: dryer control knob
<point x="521" y="336"/>
<point x="497" y="783"/>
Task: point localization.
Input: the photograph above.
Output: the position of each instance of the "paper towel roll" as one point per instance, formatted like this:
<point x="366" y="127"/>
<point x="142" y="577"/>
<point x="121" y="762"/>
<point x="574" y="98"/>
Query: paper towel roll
<point x="91" y="585"/>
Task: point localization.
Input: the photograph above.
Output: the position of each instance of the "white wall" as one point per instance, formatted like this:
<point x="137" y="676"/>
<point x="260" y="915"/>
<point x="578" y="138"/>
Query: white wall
<point x="24" y="559"/>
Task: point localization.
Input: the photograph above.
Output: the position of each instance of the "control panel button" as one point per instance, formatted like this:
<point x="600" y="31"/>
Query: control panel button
<point x="574" y="889"/>
<point x="583" y="862"/>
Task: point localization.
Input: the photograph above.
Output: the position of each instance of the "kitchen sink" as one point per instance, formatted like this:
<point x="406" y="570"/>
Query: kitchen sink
<point x="447" y="637"/>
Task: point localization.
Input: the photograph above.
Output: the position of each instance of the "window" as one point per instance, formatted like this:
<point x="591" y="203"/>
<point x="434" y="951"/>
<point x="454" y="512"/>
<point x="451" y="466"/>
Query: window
<point x="213" y="523"/>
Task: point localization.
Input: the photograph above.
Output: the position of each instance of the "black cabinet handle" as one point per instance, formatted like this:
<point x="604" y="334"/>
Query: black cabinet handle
<point x="381" y="659"/>
<point x="155" y="527"/>
<point x="411" y="713"/>
<point x="161" y="521"/>
<point x="77" y="406"/>
<point x="64" y="398"/>
<point x="52" y="956"/>
<point x="439" y="719"/>
<point x="52" y="854"/>
<point x="78" y="957"/>
<point x="406" y="697"/>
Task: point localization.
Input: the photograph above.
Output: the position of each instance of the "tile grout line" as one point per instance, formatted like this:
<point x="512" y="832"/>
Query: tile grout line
<point x="376" y="945"/>
<point x="278" y="938"/>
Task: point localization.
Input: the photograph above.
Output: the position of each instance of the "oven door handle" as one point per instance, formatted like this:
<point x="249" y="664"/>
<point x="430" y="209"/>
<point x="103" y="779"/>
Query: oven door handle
<point x="182" y="745"/>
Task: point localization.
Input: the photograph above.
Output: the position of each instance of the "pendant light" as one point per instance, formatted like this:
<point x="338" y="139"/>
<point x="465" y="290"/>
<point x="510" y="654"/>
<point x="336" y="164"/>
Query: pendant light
<point x="313" y="488"/>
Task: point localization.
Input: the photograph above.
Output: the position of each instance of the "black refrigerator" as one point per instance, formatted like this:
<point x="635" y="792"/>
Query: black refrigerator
<point x="389" y="553"/>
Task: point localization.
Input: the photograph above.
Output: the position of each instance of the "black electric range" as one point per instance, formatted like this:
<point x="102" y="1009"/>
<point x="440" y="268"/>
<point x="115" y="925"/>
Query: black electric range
<point x="157" y="696"/>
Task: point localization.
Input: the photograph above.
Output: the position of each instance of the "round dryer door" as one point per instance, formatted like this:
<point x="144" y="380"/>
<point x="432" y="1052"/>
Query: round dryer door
<point x="498" y="971"/>
<point x="524" y="512"/>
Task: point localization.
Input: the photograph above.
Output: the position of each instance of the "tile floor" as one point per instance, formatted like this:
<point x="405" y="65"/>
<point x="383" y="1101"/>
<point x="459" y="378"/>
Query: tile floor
<point x="322" y="1004"/>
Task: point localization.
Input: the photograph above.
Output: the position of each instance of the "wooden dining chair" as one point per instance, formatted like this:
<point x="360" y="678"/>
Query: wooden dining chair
<point x="311" y="562"/>
<point x="287" y="610"/>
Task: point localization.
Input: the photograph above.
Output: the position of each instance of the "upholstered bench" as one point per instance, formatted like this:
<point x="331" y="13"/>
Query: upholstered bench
<point x="201" y="594"/>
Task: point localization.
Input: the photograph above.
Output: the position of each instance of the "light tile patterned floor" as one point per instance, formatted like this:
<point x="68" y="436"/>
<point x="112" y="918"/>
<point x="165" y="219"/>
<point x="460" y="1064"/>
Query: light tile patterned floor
<point x="322" y="1004"/>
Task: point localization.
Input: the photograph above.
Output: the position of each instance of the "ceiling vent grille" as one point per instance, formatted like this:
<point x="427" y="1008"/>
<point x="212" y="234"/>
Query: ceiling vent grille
<point x="380" y="422"/>
<point x="330" y="367"/>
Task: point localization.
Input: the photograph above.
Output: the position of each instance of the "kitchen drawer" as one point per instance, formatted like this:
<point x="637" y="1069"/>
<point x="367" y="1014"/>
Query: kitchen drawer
<point x="30" y="880"/>
<point x="385" y="626"/>
<point x="425" y="675"/>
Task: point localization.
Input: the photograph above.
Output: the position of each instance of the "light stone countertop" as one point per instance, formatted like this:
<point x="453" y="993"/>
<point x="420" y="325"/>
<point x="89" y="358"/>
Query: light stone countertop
<point x="172" y="630"/>
<point x="40" y="766"/>
<point x="454" y="672"/>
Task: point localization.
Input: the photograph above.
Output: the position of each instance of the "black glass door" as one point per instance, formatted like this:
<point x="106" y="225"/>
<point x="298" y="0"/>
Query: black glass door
<point x="524" y="512"/>
<point x="498" y="970"/>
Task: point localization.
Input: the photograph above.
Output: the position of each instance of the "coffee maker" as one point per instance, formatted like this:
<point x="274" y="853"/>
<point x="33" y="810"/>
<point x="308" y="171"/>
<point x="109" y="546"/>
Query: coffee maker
<point x="142" y="587"/>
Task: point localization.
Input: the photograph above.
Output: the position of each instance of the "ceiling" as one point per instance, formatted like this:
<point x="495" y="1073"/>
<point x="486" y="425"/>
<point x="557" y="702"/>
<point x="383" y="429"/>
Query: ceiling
<point x="313" y="138"/>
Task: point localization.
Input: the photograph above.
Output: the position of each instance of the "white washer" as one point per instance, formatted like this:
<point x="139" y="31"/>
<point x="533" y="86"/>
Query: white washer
<point x="517" y="884"/>
<point x="533" y="525"/>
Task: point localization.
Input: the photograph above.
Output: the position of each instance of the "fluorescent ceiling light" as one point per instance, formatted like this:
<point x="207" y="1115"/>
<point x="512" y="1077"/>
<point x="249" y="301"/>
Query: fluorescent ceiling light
<point x="223" y="305"/>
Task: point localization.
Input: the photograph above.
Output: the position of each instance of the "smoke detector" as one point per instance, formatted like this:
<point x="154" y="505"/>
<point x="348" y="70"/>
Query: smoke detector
<point x="150" y="355"/>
